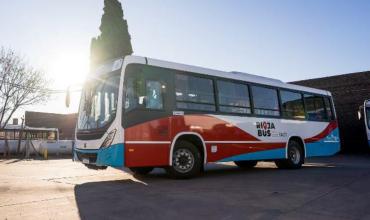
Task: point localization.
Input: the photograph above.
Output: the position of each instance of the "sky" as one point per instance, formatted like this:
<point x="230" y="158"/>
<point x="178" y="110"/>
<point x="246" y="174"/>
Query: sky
<point x="284" y="39"/>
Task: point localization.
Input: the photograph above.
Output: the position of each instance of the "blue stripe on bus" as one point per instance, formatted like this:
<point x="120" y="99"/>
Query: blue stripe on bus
<point x="325" y="147"/>
<point x="110" y="156"/>
<point x="260" y="155"/>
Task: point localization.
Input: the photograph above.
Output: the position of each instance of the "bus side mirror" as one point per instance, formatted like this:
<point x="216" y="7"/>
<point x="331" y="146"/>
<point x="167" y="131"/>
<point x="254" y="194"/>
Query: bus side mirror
<point x="359" y="112"/>
<point x="359" y="115"/>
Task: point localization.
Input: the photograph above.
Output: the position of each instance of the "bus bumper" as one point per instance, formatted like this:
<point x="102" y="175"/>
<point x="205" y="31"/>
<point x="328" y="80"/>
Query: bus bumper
<point x="110" y="156"/>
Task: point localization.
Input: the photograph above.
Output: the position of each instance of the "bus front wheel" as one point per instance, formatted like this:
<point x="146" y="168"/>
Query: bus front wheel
<point x="295" y="157"/>
<point x="141" y="170"/>
<point x="186" y="161"/>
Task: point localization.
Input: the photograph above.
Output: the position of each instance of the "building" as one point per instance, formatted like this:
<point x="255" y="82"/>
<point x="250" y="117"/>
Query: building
<point x="349" y="92"/>
<point x="65" y="123"/>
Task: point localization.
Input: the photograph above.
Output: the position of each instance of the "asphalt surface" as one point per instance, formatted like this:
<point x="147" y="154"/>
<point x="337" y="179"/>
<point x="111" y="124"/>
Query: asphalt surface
<point x="326" y="188"/>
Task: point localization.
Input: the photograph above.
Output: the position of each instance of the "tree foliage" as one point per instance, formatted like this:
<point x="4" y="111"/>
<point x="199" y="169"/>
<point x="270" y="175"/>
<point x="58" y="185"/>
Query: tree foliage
<point x="114" y="40"/>
<point x="20" y="85"/>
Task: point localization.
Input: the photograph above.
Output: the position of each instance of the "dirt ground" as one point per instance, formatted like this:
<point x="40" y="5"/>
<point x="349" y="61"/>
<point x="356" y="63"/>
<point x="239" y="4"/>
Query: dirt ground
<point x="326" y="188"/>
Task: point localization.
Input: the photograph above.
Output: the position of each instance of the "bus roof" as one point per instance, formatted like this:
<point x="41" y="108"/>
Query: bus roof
<point x="231" y="75"/>
<point x="19" y="127"/>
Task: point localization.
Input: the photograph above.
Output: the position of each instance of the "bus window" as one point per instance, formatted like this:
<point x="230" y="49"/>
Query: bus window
<point x="233" y="97"/>
<point x="154" y="95"/>
<point x="51" y="135"/>
<point x="9" y="134"/>
<point x="315" y="108"/>
<point x="265" y="101"/>
<point x="16" y="135"/>
<point x="328" y="108"/>
<point x="194" y="93"/>
<point x="2" y="135"/>
<point x="292" y="104"/>
<point x="39" y="135"/>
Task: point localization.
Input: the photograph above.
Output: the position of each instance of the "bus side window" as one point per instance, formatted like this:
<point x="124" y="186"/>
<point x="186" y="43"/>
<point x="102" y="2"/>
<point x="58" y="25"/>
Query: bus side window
<point x="51" y="135"/>
<point x="265" y="101"/>
<point x="154" y="95"/>
<point x="315" y="108"/>
<point x="194" y="93"/>
<point x="292" y="104"/>
<point x="9" y="134"/>
<point x="328" y="108"/>
<point x="2" y="135"/>
<point x="233" y="97"/>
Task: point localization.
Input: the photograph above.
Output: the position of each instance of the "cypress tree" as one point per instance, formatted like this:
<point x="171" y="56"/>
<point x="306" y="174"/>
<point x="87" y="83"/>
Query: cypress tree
<point x="114" y="40"/>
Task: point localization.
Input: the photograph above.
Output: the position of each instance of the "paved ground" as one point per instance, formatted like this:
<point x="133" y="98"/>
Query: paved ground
<point x="326" y="188"/>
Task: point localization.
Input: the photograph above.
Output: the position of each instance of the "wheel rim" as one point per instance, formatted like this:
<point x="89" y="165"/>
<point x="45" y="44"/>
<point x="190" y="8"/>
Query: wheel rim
<point x="294" y="155"/>
<point x="183" y="160"/>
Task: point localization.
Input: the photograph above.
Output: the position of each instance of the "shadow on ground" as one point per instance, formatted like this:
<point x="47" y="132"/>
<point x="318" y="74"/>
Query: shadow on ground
<point x="222" y="192"/>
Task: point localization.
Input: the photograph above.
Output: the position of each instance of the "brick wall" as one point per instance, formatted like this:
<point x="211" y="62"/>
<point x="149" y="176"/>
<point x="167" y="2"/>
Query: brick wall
<point x="65" y="123"/>
<point x="349" y="92"/>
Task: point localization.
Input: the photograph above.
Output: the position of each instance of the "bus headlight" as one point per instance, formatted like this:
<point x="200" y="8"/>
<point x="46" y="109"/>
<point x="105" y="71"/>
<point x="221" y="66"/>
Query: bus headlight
<point x="109" y="139"/>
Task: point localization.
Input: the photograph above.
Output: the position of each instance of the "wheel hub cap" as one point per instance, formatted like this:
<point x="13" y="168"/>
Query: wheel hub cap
<point x="295" y="156"/>
<point x="183" y="160"/>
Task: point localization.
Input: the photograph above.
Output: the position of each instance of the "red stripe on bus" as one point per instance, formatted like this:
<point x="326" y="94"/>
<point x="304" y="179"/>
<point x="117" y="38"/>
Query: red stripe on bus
<point x="225" y="150"/>
<point x="331" y="127"/>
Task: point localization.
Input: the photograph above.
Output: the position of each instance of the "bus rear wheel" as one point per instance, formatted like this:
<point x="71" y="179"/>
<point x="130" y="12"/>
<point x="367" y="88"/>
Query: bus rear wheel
<point x="141" y="170"/>
<point x="295" y="157"/>
<point x="186" y="161"/>
<point x="246" y="164"/>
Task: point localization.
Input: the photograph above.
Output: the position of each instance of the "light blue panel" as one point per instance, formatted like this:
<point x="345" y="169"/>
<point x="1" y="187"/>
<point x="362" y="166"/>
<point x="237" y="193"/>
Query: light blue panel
<point x="260" y="155"/>
<point x="111" y="156"/>
<point x="325" y="147"/>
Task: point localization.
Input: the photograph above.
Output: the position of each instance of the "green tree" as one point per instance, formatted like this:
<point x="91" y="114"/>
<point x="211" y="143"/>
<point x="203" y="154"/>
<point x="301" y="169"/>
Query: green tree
<point x="114" y="40"/>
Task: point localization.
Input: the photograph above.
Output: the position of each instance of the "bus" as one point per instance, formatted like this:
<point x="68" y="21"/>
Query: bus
<point x="145" y="113"/>
<point x="364" y="112"/>
<point x="42" y="138"/>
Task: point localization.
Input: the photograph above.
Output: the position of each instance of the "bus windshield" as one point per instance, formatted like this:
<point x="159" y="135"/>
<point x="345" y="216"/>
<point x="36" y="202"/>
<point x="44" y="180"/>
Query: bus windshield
<point x="98" y="104"/>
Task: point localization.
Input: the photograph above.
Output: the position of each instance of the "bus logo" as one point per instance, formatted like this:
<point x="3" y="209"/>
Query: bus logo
<point x="264" y="128"/>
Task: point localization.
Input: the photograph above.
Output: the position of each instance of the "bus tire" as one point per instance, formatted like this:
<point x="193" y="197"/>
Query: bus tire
<point x="246" y="164"/>
<point x="295" y="157"/>
<point x="186" y="161"/>
<point x="141" y="170"/>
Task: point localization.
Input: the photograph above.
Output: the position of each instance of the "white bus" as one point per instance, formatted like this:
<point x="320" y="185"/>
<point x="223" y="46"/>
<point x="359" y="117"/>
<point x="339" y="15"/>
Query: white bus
<point x="143" y="113"/>
<point x="42" y="138"/>
<point x="364" y="113"/>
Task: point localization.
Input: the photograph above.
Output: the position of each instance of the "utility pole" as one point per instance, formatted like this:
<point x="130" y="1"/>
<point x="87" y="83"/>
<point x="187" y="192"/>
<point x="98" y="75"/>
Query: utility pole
<point x="20" y="136"/>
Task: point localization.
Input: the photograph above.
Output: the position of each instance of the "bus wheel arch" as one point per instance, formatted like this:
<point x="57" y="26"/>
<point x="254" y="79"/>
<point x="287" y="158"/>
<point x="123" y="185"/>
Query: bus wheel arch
<point x="301" y="143"/>
<point x="295" y="154"/>
<point x="193" y="138"/>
